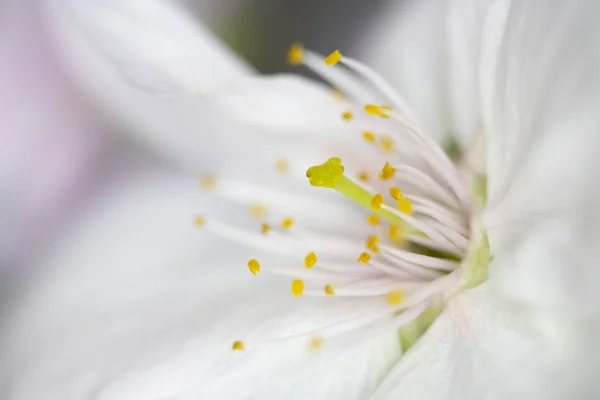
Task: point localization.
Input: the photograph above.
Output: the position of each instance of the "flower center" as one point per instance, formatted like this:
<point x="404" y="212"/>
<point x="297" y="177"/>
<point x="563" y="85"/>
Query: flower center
<point x="413" y="242"/>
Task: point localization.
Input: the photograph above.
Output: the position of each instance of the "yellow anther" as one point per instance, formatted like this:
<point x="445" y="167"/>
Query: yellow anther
<point x="395" y="232"/>
<point x="199" y="221"/>
<point x="327" y="174"/>
<point x="363" y="176"/>
<point x="347" y="115"/>
<point x="315" y="343"/>
<point x="373" y="219"/>
<point x="372" y="109"/>
<point x="394" y="298"/>
<point x="238" y="345"/>
<point x="396" y="193"/>
<point x="208" y="182"/>
<point x="373" y="243"/>
<point x="338" y="95"/>
<point x="377" y="201"/>
<point x="405" y="205"/>
<point x="333" y="58"/>
<point x="364" y="257"/>
<point x="329" y="289"/>
<point x="387" y="172"/>
<point x="254" y="266"/>
<point x="282" y="165"/>
<point x="369" y="136"/>
<point x="383" y="114"/>
<point x="387" y="144"/>
<point x="287" y="223"/>
<point x="310" y="260"/>
<point x="265" y="228"/>
<point x="298" y="287"/>
<point x="295" y="54"/>
<point x="258" y="210"/>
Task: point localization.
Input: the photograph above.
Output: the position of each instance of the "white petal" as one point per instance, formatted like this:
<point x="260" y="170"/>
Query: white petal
<point x="153" y="44"/>
<point x="430" y="50"/>
<point x="99" y="42"/>
<point x="483" y="348"/>
<point x="543" y="162"/>
<point x="132" y="305"/>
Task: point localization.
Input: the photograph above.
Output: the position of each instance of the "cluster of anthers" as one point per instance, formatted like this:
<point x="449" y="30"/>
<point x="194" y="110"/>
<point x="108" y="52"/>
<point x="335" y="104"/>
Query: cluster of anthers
<point x="415" y="206"/>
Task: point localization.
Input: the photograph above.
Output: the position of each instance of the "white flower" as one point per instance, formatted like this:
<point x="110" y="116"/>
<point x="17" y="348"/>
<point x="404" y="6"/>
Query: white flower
<point x="526" y="332"/>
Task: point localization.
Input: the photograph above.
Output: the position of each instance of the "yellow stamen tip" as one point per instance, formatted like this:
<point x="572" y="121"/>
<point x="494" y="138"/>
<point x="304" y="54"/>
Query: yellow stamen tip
<point x="395" y="232"/>
<point x="396" y="193"/>
<point x="199" y="221"/>
<point x="258" y="210"/>
<point x="394" y="298"/>
<point x="369" y="136"/>
<point x="382" y="114"/>
<point x="405" y="205"/>
<point x="265" y="228"/>
<point x="282" y="165"/>
<point x="254" y="266"/>
<point x="363" y="176"/>
<point x="377" y="201"/>
<point x="364" y="257"/>
<point x="372" y="109"/>
<point x="373" y="219"/>
<point x="295" y="54"/>
<point x="387" y="172"/>
<point x="387" y="144"/>
<point x="287" y="223"/>
<point x="310" y="260"/>
<point x="298" y="287"/>
<point x="315" y="343"/>
<point x="347" y="115"/>
<point x="238" y="345"/>
<point x="329" y="289"/>
<point x="373" y="243"/>
<point x="327" y="174"/>
<point x="333" y="58"/>
<point x="338" y="95"/>
<point x="208" y="182"/>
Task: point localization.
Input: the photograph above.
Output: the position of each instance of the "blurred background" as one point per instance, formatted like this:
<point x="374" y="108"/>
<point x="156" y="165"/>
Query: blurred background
<point x="57" y="156"/>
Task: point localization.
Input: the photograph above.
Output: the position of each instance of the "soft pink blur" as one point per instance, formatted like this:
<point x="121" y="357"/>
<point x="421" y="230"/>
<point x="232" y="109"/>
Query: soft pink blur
<point x="49" y="140"/>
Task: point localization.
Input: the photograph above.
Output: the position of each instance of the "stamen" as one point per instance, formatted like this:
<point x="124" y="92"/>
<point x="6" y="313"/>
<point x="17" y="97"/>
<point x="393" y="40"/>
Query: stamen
<point x="347" y="115"/>
<point x="387" y="144"/>
<point x="395" y="232"/>
<point x="298" y="287"/>
<point x="373" y="243"/>
<point x="373" y="219"/>
<point x="208" y="182"/>
<point x="315" y="343"/>
<point x="265" y="228"/>
<point x="404" y="205"/>
<point x="396" y="193"/>
<point x="333" y="58"/>
<point x="387" y="172"/>
<point x="369" y="136"/>
<point x="364" y="257"/>
<point x="394" y="298"/>
<point x="199" y="221"/>
<point x="295" y="54"/>
<point x="310" y="260"/>
<point x="329" y="289"/>
<point x="377" y="201"/>
<point x="372" y="109"/>
<point x="238" y="345"/>
<point x="258" y="210"/>
<point x="287" y="223"/>
<point x="254" y="266"/>
<point x="363" y="176"/>
<point x="282" y="165"/>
